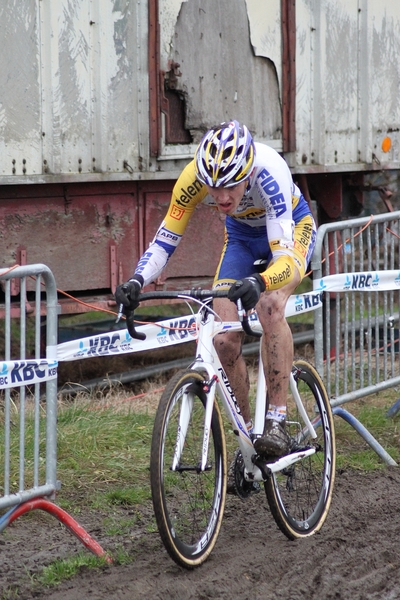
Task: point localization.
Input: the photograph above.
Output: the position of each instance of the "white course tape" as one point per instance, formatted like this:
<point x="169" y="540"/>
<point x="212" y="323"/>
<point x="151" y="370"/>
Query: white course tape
<point x="177" y="331"/>
<point x="368" y="281"/>
<point x="165" y="333"/>
<point x="303" y="303"/>
<point x="16" y="373"/>
<point x="181" y="330"/>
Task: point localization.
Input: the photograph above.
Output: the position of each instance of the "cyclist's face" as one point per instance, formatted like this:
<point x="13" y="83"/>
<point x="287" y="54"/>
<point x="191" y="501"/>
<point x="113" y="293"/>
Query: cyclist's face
<point x="227" y="199"/>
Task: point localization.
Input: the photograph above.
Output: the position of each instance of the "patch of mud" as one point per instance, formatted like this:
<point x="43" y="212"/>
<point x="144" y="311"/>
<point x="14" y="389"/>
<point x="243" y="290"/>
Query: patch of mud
<point x="355" y="556"/>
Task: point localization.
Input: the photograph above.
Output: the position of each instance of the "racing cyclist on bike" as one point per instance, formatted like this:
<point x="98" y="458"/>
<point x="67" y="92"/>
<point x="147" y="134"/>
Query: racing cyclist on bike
<point x="267" y="218"/>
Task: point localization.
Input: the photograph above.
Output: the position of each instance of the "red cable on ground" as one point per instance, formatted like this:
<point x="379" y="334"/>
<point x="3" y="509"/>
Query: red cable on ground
<point x="129" y="399"/>
<point x="66" y="519"/>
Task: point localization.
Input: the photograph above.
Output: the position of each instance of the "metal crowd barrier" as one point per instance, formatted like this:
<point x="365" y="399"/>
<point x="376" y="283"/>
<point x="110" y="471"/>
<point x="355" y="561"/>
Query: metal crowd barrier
<point x="21" y="384"/>
<point x="356" y="264"/>
<point x="28" y="424"/>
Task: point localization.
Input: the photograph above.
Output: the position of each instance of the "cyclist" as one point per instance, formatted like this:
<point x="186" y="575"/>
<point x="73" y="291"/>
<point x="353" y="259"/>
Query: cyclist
<point x="267" y="219"/>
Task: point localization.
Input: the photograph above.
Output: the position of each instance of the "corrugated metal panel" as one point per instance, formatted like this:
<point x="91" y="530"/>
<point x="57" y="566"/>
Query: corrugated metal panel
<point x="382" y="75"/>
<point x="327" y="84"/>
<point x="74" y="86"/>
<point x="20" y="102"/>
<point x="92" y="71"/>
<point x="74" y="83"/>
<point x="348" y="76"/>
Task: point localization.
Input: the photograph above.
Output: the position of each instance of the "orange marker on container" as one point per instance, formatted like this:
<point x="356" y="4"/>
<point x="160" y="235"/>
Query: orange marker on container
<point x="386" y="144"/>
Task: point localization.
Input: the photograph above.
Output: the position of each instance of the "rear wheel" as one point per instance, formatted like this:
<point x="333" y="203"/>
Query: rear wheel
<point x="188" y="502"/>
<point x="300" y="495"/>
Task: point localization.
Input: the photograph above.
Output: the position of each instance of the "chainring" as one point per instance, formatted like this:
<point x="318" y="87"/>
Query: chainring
<point x="243" y="488"/>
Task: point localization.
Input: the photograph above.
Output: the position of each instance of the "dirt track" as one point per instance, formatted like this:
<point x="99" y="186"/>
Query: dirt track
<point x="356" y="556"/>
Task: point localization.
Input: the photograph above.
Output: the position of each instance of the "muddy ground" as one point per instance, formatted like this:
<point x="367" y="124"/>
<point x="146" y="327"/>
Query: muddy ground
<point x="356" y="556"/>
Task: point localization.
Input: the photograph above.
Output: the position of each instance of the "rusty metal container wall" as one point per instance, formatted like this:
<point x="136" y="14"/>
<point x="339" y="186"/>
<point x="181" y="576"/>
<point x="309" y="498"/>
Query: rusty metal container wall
<point x="81" y="231"/>
<point x="223" y="78"/>
<point x="196" y="259"/>
<point x="91" y="235"/>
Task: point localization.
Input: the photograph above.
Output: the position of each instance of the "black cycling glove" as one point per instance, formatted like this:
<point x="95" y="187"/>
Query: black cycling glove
<point x="248" y="290"/>
<point x="128" y="293"/>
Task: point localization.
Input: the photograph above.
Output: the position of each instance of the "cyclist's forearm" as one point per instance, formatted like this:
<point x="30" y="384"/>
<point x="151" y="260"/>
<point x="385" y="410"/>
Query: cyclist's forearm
<point x="279" y="273"/>
<point x="152" y="262"/>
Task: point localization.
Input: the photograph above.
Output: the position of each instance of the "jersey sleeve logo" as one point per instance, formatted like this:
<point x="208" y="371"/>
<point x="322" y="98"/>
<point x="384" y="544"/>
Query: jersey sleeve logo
<point x="276" y="200"/>
<point x="176" y="213"/>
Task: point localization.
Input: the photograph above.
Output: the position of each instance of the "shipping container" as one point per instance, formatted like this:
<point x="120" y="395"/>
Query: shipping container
<point x="102" y="103"/>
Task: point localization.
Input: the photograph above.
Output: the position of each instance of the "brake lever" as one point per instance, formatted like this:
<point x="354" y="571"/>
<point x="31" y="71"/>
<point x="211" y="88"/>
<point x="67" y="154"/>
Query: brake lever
<point x="240" y="309"/>
<point x="120" y="313"/>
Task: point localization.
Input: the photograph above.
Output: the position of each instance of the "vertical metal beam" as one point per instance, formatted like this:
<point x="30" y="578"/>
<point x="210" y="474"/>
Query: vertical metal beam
<point x="154" y="69"/>
<point x="288" y="10"/>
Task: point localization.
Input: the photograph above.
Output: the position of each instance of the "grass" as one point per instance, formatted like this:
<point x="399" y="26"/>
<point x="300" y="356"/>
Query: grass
<point x="60" y="570"/>
<point x="99" y="445"/>
<point x="104" y="443"/>
<point x="102" y="446"/>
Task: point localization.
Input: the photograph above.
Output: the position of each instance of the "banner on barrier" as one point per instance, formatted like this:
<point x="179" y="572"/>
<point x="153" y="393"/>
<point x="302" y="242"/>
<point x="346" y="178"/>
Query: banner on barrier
<point x="16" y="373"/>
<point x="183" y="329"/>
<point x="368" y="281"/>
<point x="303" y="303"/>
<point x="161" y="335"/>
<point x="165" y="333"/>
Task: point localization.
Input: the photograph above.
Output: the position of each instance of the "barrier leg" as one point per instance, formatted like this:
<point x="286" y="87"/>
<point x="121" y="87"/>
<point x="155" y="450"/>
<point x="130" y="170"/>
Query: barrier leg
<point x="375" y="445"/>
<point x="62" y="516"/>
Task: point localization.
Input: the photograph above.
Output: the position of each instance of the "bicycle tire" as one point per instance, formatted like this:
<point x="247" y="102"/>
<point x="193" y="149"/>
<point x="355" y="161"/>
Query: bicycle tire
<point x="188" y="503"/>
<point x="300" y="496"/>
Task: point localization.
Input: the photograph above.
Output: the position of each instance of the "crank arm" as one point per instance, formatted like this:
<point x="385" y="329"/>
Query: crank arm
<point x="267" y="468"/>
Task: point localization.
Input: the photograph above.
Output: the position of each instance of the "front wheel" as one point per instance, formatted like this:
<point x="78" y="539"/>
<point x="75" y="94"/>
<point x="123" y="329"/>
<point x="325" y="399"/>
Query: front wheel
<point x="300" y="495"/>
<point x="188" y="501"/>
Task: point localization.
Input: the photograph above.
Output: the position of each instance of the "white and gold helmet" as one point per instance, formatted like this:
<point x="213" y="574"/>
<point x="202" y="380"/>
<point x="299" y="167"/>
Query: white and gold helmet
<point x="225" y="155"/>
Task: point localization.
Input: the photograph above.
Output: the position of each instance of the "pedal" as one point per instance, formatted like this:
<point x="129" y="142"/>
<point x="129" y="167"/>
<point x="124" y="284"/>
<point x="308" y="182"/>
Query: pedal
<point x="262" y="463"/>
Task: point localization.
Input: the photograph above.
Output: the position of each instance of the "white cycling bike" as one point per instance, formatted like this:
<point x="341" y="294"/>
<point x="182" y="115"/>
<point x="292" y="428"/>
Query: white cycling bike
<point x="188" y="463"/>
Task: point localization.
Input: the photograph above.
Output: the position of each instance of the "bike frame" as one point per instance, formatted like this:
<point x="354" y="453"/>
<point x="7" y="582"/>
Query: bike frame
<point x="207" y="361"/>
